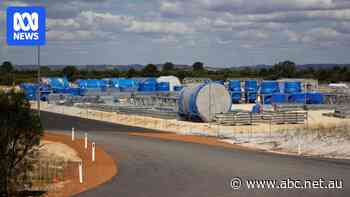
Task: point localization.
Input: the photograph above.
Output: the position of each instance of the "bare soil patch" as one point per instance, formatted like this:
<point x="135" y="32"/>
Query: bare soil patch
<point x="95" y="173"/>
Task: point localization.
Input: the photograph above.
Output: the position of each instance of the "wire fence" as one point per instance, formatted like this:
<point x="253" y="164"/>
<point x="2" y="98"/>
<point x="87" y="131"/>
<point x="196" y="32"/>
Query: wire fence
<point x="49" y="178"/>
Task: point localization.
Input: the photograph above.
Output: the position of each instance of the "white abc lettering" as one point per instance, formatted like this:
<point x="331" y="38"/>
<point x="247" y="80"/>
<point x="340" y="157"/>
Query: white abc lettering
<point x="33" y="21"/>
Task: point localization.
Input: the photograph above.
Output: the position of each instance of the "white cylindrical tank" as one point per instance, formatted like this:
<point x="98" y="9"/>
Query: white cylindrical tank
<point x="203" y="101"/>
<point x="172" y="80"/>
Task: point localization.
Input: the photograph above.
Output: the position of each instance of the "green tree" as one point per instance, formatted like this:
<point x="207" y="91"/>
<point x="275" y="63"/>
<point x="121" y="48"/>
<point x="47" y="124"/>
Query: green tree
<point x="45" y="70"/>
<point x="168" y="66"/>
<point x="131" y="73"/>
<point x="8" y="76"/>
<point x="150" y="71"/>
<point x="198" y="66"/>
<point x="284" y="69"/>
<point x="71" y="72"/>
<point x="20" y="133"/>
<point x="7" y="67"/>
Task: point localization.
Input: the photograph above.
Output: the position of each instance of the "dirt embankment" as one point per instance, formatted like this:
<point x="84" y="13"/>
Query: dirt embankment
<point x="94" y="173"/>
<point x="211" y="141"/>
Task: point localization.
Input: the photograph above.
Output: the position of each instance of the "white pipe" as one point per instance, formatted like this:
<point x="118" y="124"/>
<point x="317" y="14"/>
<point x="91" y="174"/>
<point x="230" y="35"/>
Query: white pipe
<point x="73" y="133"/>
<point x="81" y="172"/>
<point x="86" y="144"/>
<point x="93" y="151"/>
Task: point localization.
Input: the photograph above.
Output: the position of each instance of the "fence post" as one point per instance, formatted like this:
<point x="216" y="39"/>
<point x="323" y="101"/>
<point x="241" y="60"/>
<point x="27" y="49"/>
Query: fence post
<point x="85" y="145"/>
<point x="80" y="172"/>
<point x="73" y="133"/>
<point x="93" y="151"/>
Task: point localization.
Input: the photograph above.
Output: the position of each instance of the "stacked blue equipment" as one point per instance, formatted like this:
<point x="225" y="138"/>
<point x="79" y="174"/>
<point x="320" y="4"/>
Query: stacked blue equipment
<point x="250" y="89"/>
<point x="163" y="86"/>
<point x="44" y="92"/>
<point x="73" y="91"/>
<point x="315" y="98"/>
<point x="148" y="85"/>
<point x="267" y="89"/>
<point x="278" y="98"/>
<point x="92" y="84"/>
<point x="234" y="88"/>
<point x="30" y="90"/>
<point x="292" y="87"/>
<point x="307" y="98"/>
<point x="58" y="85"/>
<point x="300" y="98"/>
<point x="178" y="88"/>
<point x="124" y="85"/>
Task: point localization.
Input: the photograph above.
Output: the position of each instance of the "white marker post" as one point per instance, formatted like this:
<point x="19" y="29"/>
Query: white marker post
<point x="86" y="144"/>
<point x="73" y="133"/>
<point x="93" y="151"/>
<point x="81" y="172"/>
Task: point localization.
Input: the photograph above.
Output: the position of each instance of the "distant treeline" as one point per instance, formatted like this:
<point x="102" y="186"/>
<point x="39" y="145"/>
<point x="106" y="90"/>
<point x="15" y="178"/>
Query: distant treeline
<point x="286" y="69"/>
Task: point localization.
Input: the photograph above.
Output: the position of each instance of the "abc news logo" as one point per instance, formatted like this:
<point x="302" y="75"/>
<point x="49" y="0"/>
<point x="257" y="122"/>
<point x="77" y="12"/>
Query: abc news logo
<point x="26" y="25"/>
<point x="25" y="31"/>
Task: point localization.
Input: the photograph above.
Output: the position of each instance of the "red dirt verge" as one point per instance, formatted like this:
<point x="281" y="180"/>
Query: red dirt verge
<point x="211" y="141"/>
<point x="94" y="173"/>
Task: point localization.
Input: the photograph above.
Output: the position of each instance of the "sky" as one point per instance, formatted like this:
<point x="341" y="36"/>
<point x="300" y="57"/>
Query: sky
<point x="221" y="33"/>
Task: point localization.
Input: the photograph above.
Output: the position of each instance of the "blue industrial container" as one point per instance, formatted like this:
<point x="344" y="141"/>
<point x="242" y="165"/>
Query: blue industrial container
<point x="73" y="91"/>
<point x="267" y="99"/>
<point x="234" y="86"/>
<point x="291" y="87"/>
<point x="55" y="83"/>
<point x="300" y="98"/>
<point x="178" y="88"/>
<point x="251" y="97"/>
<point x="107" y="82"/>
<point x="251" y="89"/>
<point x="125" y="85"/>
<point x="269" y="87"/>
<point x="251" y="85"/>
<point x="148" y="85"/>
<point x="30" y="90"/>
<point x="279" y="98"/>
<point x="45" y="91"/>
<point x="81" y="83"/>
<point x="276" y="98"/>
<point x="59" y="90"/>
<point x="315" y="98"/>
<point x="92" y="84"/>
<point x="58" y="83"/>
<point x="163" y="86"/>
<point x="236" y="97"/>
<point x="65" y="82"/>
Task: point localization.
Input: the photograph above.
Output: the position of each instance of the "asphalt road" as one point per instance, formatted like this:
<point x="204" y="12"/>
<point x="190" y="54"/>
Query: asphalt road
<point x="157" y="168"/>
